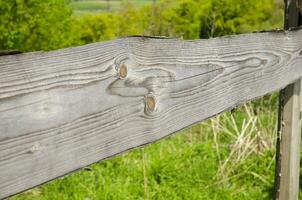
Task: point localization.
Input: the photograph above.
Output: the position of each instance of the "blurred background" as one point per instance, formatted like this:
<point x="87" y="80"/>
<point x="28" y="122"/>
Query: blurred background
<point x="231" y="156"/>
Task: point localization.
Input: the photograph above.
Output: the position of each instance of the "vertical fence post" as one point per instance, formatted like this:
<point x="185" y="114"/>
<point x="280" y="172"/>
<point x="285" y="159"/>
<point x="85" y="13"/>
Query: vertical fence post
<point x="289" y="126"/>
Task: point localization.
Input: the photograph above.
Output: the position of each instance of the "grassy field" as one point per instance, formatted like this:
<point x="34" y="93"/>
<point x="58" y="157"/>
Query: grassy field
<point x="221" y="158"/>
<point x="82" y="7"/>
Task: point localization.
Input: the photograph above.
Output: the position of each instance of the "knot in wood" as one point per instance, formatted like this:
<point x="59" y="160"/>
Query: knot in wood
<point x="150" y="103"/>
<point x="122" y="71"/>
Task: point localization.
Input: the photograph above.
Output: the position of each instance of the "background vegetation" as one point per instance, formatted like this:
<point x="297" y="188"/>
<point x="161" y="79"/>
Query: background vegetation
<point x="228" y="157"/>
<point x="82" y="7"/>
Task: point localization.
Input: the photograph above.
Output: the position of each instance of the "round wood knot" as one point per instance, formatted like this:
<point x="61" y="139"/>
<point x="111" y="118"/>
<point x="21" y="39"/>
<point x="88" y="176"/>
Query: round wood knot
<point x="150" y="103"/>
<point x="122" y="71"/>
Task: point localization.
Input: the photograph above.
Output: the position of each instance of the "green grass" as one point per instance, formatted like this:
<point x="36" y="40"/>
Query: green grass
<point x="174" y="169"/>
<point x="229" y="157"/>
<point x="99" y="6"/>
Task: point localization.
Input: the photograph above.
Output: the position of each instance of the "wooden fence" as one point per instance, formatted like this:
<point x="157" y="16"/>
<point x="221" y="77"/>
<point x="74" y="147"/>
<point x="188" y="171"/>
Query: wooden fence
<point x="63" y="110"/>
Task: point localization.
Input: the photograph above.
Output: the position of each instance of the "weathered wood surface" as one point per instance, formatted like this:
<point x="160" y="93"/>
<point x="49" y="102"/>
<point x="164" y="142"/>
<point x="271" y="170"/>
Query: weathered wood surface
<point x="65" y="109"/>
<point x="289" y="125"/>
<point x="290" y="144"/>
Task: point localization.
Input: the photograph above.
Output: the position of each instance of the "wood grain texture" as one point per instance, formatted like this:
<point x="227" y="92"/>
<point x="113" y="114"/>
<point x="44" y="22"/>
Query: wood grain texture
<point x="289" y="125"/>
<point x="290" y="143"/>
<point x="65" y="109"/>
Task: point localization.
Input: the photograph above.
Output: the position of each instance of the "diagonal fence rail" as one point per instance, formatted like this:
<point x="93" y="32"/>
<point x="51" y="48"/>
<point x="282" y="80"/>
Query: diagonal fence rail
<point x="63" y="110"/>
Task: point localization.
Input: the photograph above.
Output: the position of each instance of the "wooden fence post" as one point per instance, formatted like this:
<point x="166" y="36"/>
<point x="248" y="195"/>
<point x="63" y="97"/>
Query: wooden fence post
<point x="289" y="125"/>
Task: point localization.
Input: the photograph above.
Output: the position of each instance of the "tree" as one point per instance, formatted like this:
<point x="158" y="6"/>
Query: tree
<point x="29" y="25"/>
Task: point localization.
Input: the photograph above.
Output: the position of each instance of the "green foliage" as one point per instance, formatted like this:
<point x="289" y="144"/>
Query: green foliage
<point x="83" y="7"/>
<point x="188" y="19"/>
<point x="29" y="25"/>
<point x="210" y="18"/>
<point x="93" y="28"/>
<point x="91" y="5"/>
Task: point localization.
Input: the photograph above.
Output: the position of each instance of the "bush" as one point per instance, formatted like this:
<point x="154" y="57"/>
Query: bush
<point x="188" y="19"/>
<point x="29" y="25"/>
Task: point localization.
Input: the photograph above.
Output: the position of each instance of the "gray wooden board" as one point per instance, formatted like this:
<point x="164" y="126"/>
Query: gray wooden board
<point x="288" y="155"/>
<point x="65" y="109"/>
<point x="290" y="144"/>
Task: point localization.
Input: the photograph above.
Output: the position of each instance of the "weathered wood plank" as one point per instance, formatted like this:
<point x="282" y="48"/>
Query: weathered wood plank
<point x="290" y="143"/>
<point x="65" y="109"/>
<point x="289" y="127"/>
